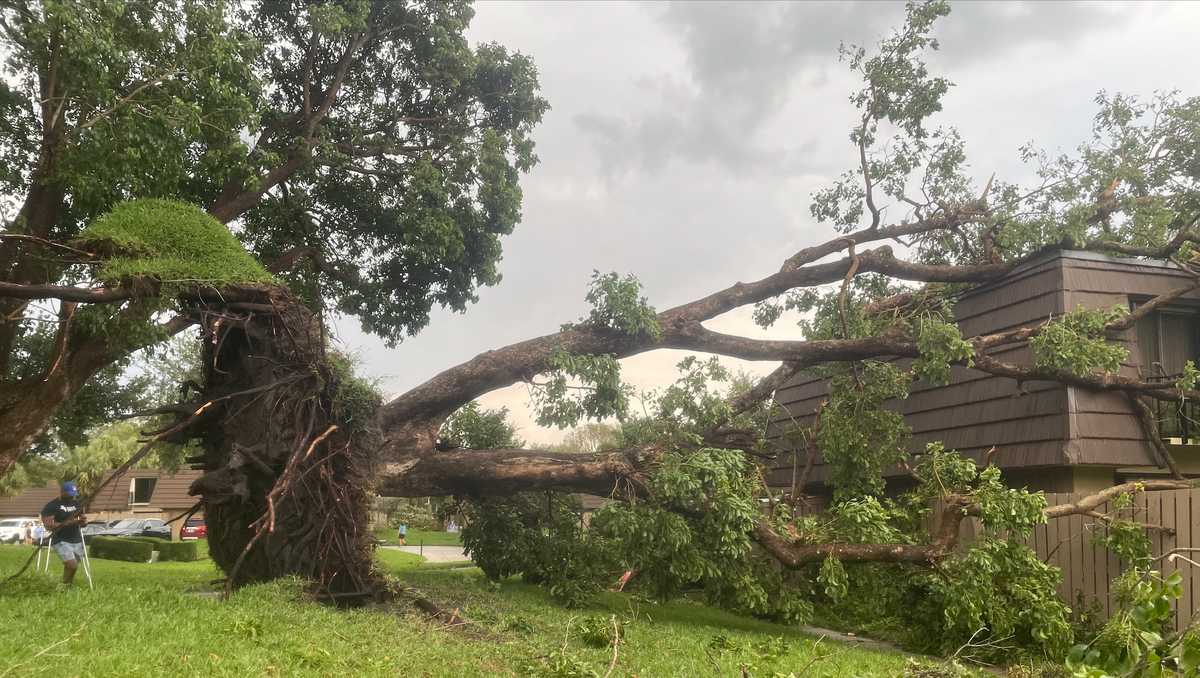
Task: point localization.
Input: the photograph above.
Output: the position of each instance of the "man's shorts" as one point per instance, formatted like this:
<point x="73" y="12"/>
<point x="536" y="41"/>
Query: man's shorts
<point x="68" y="550"/>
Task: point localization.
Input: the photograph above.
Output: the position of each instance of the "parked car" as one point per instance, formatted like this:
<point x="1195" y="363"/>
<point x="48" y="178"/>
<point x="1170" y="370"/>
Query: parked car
<point x="17" y="530"/>
<point x="97" y="526"/>
<point x="137" y="527"/>
<point x="194" y="528"/>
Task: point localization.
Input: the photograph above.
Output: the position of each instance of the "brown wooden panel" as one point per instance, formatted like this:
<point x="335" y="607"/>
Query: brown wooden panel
<point x="28" y="504"/>
<point x="1183" y="537"/>
<point x="1109" y="566"/>
<point x="801" y="389"/>
<point x="1113" y="452"/>
<point x="1134" y="280"/>
<point x="1099" y="567"/>
<point x="1076" y="299"/>
<point x="1012" y="288"/>
<point x="1154" y="515"/>
<point x="1039" y="428"/>
<point x="1010" y="308"/>
<point x="974" y="390"/>
<point x="1078" y="544"/>
<point x="1034" y="310"/>
<point x="1109" y="426"/>
<point x="974" y="412"/>
<point x="1103" y="402"/>
<point x="1168" y="542"/>
<point x="1059" y="556"/>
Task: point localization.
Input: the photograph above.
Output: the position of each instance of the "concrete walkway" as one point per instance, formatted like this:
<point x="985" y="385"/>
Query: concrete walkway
<point x="434" y="554"/>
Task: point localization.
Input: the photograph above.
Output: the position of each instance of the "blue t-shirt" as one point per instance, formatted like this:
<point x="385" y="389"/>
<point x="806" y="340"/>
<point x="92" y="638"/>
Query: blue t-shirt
<point x="63" y="510"/>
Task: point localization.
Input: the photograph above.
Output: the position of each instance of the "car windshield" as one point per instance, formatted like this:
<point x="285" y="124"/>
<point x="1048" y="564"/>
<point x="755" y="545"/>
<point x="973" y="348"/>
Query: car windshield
<point x="120" y="524"/>
<point x="194" y="523"/>
<point x="9" y="523"/>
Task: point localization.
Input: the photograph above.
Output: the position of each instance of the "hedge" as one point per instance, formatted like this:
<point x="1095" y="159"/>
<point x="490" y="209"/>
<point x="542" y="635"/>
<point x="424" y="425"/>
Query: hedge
<point x="120" y="548"/>
<point x="178" y="550"/>
<point x="167" y="550"/>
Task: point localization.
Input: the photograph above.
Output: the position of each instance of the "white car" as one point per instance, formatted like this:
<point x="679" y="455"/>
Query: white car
<point x="17" y="530"/>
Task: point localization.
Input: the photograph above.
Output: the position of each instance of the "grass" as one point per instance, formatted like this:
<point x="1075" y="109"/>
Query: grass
<point x="171" y="241"/>
<point x="416" y="537"/>
<point x="148" y="620"/>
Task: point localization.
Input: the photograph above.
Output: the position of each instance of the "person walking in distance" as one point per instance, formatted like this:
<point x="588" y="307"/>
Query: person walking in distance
<point x="63" y="517"/>
<point x="402" y="534"/>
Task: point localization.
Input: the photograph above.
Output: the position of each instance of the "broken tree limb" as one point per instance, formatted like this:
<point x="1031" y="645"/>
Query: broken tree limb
<point x="1150" y="428"/>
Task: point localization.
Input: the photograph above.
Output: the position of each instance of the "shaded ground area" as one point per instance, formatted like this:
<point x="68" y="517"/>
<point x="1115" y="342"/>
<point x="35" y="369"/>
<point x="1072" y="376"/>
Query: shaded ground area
<point x="145" y="620"/>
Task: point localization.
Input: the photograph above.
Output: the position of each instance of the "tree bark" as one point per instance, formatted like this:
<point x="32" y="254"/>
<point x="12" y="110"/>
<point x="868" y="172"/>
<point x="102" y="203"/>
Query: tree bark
<point x="508" y="471"/>
<point x="285" y="488"/>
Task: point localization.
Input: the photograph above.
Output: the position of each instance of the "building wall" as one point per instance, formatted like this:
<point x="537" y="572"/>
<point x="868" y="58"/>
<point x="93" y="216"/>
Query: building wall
<point x="1035" y="427"/>
<point x="1102" y="424"/>
<point x="169" y="499"/>
<point x="976" y="411"/>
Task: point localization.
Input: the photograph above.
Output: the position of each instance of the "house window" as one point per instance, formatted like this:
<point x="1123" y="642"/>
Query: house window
<point x="1166" y="340"/>
<point x="140" y="490"/>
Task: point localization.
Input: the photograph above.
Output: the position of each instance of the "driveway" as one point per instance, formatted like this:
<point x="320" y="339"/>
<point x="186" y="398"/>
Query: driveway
<point x="435" y="554"/>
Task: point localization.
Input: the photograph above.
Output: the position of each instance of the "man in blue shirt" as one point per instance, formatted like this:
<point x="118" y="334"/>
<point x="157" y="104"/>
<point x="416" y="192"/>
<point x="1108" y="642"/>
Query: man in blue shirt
<point x="63" y="517"/>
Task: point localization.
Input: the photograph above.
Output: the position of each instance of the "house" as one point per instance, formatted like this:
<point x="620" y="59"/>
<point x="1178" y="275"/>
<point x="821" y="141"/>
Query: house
<point x="138" y="493"/>
<point x="1045" y="435"/>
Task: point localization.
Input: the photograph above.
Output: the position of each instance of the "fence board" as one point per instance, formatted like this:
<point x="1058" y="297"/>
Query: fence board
<point x="1168" y="542"/>
<point x="1114" y="568"/>
<point x="1183" y="535"/>
<point x="1078" y="539"/>
<point x="1099" y="578"/>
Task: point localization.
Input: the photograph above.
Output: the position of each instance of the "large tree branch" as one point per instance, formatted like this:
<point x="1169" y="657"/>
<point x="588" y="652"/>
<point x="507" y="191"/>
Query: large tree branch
<point x="24" y="418"/>
<point x="506" y="471"/>
<point x="944" y="537"/>
<point x="411" y="420"/>
<point x="236" y="199"/>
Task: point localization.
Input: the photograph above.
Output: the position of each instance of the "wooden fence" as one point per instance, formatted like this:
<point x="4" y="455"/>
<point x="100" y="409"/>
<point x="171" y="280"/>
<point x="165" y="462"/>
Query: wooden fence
<point x="1087" y="570"/>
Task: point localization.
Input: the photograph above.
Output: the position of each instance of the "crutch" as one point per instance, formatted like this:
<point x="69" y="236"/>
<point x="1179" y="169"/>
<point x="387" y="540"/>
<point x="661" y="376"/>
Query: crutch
<point x="87" y="563"/>
<point x="43" y="556"/>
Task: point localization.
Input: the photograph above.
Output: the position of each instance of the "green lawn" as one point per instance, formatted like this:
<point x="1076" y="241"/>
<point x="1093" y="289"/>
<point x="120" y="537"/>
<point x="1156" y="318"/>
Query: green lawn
<point x="416" y="537"/>
<point x="152" y="620"/>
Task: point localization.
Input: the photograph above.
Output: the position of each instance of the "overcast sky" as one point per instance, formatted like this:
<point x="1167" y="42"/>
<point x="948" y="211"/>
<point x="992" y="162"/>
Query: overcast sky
<point x="685" y="140"/>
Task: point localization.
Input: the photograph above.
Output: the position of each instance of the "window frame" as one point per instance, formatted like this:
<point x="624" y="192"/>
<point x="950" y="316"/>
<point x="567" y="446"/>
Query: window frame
<point x="133" y="493"/>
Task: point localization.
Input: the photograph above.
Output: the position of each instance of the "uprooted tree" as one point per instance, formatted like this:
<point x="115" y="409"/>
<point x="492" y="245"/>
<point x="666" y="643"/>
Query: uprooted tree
<point x="292" y="443"/>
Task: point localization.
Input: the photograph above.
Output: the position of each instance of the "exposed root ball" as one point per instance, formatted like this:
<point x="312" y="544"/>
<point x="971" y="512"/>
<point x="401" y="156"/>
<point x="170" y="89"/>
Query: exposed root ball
<point x="287" y="463"/>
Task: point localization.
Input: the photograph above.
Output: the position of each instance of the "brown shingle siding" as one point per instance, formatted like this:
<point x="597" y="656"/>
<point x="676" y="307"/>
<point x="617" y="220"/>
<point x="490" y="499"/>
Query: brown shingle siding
<point x="170" y="492"/>
<point x="29" y="503"/>
<point x="1035" y="424"/>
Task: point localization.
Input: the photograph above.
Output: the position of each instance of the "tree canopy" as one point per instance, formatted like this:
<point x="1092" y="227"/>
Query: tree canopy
<point x="362" y="150"/>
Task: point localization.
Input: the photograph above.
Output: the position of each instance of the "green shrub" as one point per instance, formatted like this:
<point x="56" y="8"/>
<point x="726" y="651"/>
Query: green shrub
<point x="185" y="551"/>
<point x="121" y="548"/>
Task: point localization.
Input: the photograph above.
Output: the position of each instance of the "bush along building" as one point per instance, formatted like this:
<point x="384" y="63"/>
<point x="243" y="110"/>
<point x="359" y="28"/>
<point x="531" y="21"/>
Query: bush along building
<point x="1042" y="435"/>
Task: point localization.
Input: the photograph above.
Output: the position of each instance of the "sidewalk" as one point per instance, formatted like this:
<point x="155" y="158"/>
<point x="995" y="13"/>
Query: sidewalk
<point x="434" y="554"/>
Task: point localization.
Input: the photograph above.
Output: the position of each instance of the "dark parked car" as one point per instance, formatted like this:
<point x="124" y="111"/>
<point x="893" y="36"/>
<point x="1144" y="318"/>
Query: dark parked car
<point x="194" y="528"/>
<point x="137" y="527"/>
<point x="95" y="527"/>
